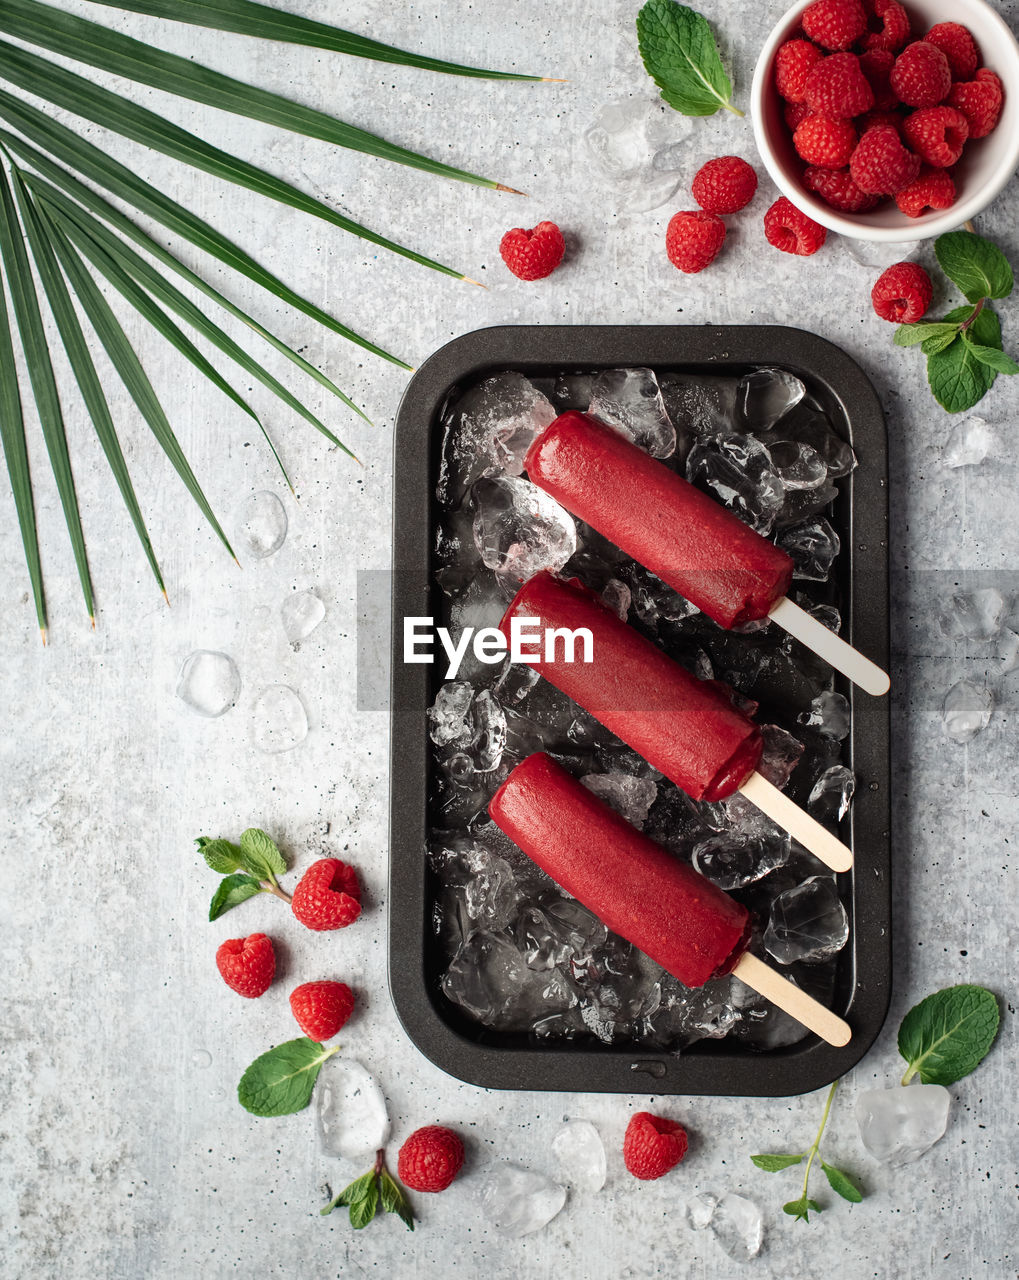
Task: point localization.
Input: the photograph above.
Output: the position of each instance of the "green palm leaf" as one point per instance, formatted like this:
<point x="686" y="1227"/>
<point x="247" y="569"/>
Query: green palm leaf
<point x="84" y="370"/>
<point x="99" y="46"/>
<point x="250" y="19"/>
<point x="120" y="181"/>
<point x="40" y="372"/>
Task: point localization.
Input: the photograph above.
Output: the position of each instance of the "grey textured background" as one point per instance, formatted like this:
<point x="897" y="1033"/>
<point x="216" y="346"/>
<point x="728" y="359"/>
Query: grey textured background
<point x="123" y="1155"/>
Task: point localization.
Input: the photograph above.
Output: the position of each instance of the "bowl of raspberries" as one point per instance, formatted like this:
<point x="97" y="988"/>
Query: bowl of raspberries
<point x="885" y="120"/>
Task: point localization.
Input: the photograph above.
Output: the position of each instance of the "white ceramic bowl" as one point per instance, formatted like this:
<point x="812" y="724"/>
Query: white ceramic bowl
<point x="986" y="164"/>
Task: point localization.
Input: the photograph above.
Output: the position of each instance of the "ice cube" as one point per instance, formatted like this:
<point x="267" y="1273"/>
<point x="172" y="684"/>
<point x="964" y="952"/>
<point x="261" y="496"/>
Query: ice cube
<point x="559" y="932"/>
<point x="807" y="923"/>
<point x="967" y="710"/>
<point x="969" y="444"/>
<point x="491" y="895"/>
<point x="518" y="1201"/>
<point x="519" y="529"/>
<point x="515" y="683"/>
<point x="581" y="1155"/>
<point x="738" y="468"/>
<point x="630" y="400"/>
<point x="813" y="548"/>
<point x="1006" y="650"/>
<point x="974" y="615"/>
<point x="780" y="755"/>
<point x="489" y="740"/>
<point x="279" y="721"/>
<point x="491" y="980"/>
<point x="733" y="860"/>
<point x="700" y="404"/>
<point x="810" y="426"/>
<point x="684" y="1015"/>
<point x="898" y="1125"/>
<point x="353" y="1121"/>
<point x="208" y="682"/>
<point x="874" y="254"/>
<point x="260" y="522"/>
<point x="449" y="715"/>
<point x="488" y="430"/>
<point x="738" y="1227"/>
<point x="798" y="466"/>
<point x="629" y="796"/>
<point x="829" y="714"/>
<point x="622" y="142"/>
<point x="832" y="792"/>
<point x="765" y="395"/>
<point x="301" y="613"/>
<point x="761" y="1023"/>
<point x="617" y="596"/>
<point x="699" y="1209"/>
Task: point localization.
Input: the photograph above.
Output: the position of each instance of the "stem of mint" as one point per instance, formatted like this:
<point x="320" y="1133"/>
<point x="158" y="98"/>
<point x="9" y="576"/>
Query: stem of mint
<point x="817" y="1141"/>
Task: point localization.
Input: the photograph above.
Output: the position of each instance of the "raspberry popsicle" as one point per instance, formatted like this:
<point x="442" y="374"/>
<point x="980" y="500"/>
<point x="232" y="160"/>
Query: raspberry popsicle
<point x="639" y="890"/>
<point x="687" y="728"/>
<point x="690" y="541"/>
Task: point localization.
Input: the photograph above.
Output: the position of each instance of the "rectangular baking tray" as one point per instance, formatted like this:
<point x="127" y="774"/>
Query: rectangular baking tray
<point x="860" y="516"/>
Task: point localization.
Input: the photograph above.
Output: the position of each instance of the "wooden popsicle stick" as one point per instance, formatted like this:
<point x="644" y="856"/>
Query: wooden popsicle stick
<point x="814" y="1016"/>
<point x="831" y="647"/>
<point x="800" y="825"/>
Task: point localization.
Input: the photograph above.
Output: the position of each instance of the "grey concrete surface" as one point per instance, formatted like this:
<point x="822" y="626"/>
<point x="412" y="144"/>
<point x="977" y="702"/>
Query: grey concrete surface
<point x="125" y="1154"/>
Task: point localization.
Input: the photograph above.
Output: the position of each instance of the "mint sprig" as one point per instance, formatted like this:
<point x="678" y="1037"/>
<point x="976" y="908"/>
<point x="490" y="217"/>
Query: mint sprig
<point x="681" y="57"/>
<point x="964" y="351"/>
<point x="248" y="868"/>
<point x="946" y="1036"/>
<point x="373" y="1190"/>
<point x="281" y="1081"/>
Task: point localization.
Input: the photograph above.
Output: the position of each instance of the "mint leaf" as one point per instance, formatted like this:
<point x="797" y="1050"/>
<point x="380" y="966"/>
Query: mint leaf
<point x="957" y="378"/>
<point x="976" y="265"/>
<point x="280" y="1081"/>
<point x="992" y="357"/>
<point x="938" y="342"/>
<point x="261" y="856"/>
<point x="232" y="891"/>
<point x="946" y="1036"/>
<point x="908" y="335"/>
<point x="352" y="1193"/>
<point x="394" y="1199"/>
<point x="364" y="1209"/>
<point x="986" y="328"/>
<point x="775" y="1164"/>
<point x="220" y="855"/>
<point x="800" y="1208"/>
<point x="681" y="57"/>
<point x="841" y="1184"/>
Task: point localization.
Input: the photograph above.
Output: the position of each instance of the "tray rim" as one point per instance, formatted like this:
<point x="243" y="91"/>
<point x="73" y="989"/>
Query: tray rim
<point x="801" y="1068"/>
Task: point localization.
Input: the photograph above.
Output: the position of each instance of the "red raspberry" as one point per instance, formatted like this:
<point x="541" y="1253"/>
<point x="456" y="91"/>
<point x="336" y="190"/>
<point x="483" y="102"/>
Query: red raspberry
<point x="795" y="113"/>
<point x="958" y="46"/>
<point x="888" y="23"/>
<point x="652" y="1145"/>
<point x="247" y="964"/>
<point x="725" y="185"/>
<point x="534" y="254"/>
<point x="873" y="118"/>
<point x="829" y="144"/>
<point x="790" y="230"/>
<point x="835" y="24"/>
<point x="902" y="293"/>
<point x="838" y="88"/>
<point x="321" y="1008"/>
<point x="921" y="76"/>
<point x="430" y="1158"/>
<point x="934" y="189"/>
<point x="876" y="65"/>
<point x="881" y="165"/>
<point x="693" y="239"/>
<point x="838" y="189"/>
<point x="979" y="100"/>
<point x="793" y="62"/>
<point x="937" y="134"/>
<point x="328" y="896"/>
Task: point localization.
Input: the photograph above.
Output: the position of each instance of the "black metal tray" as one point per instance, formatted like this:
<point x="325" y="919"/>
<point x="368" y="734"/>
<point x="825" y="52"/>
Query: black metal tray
<point x="860" y="516"/>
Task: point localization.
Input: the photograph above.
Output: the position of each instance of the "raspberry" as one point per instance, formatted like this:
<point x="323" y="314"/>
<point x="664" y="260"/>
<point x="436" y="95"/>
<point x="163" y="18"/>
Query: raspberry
<point x="958" y="46"/>
<point x="873" y="118"/>
<point x="876" y="65"/>
<point x="321" y="1008"/>
<point x="881" y="165"/>
<point x="837" y="87"/>
<point x="888" y="23"/>
<point x="790" y="230"/>
<point x="934" y="189"/>
<point x="921" y="76"/>
<point x="652" y="1145"/>
<point x="829" y="144"/>
<point x="837" y="187"/>
<point x="902" y="293"/>
<point x="793" y="62"/>
<point x="430" y="1158"/>
<point x="937" y="134"/>
<point x="693" y="239"/>
<point x="835" y="24"/>
<point x="328" y="896"/>
<point x="979" y="100"/>
<point x="247" y="964"/>
<point x="534" y="254"/>
<point x="795" y="113"/>
<point x="725" y="185"/>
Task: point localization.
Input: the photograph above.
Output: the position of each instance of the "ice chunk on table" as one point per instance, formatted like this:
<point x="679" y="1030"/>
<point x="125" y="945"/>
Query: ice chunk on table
<point x="698" y="1210"/>
<point x="767" y="394"/>
<point x="301" y="613"/>
<point x="353" y="1121"/>
<point x="967" y="710"/>
<point x="519" y="529"/>
<point x="969" y="444"/>
<point x="623" y="142"/>
<point x="580" y="1153"/>
<point x="632" y="797"/>
<point x="898" y="1125"/>
<point x="974" y="615"/>
<point x="279" y="721"/>
<point x="874" y="255"/>
<point x="519" y="1201"/>
<point x="260" y="522"/>
<point x="807" y="923"/>
<point x="208" y="682"/>
<point x="738" y="1227"/>
<point x="831" y="793"/>
<point x="630" y="400"/>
